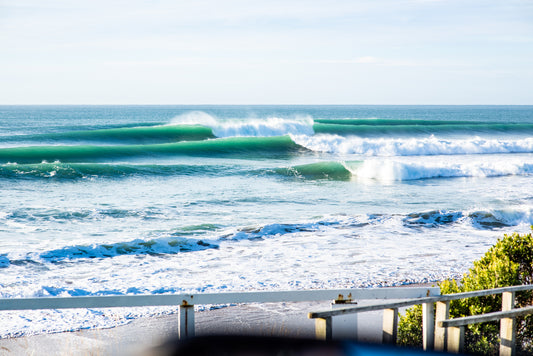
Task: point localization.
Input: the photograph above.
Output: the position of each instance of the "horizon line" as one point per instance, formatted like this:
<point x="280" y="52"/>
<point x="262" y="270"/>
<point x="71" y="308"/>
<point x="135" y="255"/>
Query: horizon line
<point x="81" y="104"/>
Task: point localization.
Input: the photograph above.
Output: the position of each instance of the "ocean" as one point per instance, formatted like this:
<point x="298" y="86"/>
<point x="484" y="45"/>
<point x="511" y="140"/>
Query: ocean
<point x="112" y="200"/>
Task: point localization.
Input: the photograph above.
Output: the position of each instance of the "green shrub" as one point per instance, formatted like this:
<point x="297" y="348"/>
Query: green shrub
<point x="509" y="262"/>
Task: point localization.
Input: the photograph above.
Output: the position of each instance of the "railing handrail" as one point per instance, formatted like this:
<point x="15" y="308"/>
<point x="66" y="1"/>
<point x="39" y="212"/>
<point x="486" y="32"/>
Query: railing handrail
<point x="416" y="301"/>
<point x="438" y="331"/>
<point x="485" y="292"/>
<point x="185" y="302"/>
<point x="213" y="298"/>
<point x="482" y="318"/>
<point x="368" y="308"/>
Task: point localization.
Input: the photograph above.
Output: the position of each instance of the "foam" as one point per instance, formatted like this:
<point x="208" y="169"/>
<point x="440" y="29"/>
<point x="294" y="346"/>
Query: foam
<point x="374" y="250"/>
<point x="411" y="146"/>
<point x="394" y="170"/>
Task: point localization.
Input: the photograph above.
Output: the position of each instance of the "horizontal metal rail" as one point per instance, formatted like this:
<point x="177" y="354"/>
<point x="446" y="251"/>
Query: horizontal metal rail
<point x="186" y="302"/>
<point x="483" y="318"/>
<point x="211" y="298"/>
<point x="438" y="331"/>
<point x="406" y="303"/>
<point x="368" y="308"/>
<point x="455" y="328"/>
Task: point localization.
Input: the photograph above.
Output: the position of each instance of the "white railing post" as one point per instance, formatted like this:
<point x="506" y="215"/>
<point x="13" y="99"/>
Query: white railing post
<point x="507" y="326"/>
<point x="323" y="328"/>
<point x="456" y="339"/>
<point x="442" y="313"/>
<point x="390" y="325"/>
<point x="428" y="326"/>
<point x="186" y="321"/>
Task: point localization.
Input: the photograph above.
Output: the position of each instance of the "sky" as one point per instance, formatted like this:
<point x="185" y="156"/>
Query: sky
<point x="266" y="52"/>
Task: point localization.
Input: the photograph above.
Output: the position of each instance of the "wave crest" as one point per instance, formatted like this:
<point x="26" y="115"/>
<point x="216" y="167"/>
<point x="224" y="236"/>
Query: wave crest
<point x="135" y="247"/>
<point x="249" y="127"/>
<point x="390" y="170"/>
<point x="412" y="146"/>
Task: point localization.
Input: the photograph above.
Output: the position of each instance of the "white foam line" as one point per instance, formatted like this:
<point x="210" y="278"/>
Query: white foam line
<point x="411" y="146"/>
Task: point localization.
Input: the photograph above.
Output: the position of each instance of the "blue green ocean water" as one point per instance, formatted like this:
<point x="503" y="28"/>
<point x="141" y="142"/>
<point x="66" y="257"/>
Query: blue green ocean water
<point x="102" y="200"/>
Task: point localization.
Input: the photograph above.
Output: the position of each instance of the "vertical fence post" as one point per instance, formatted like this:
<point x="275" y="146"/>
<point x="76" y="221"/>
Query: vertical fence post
<point x="390" y="325"/>
<point x="456" y="339"/>
<point x="428" y="326"/>
<point x="186" y="322"/>
<point x="442" y="313"/>
<point x="507" y="327"/>
<point x="323" y="328"/>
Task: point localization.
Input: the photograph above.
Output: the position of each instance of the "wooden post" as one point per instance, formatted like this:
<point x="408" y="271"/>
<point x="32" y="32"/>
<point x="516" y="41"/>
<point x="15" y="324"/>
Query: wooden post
<point x="456" y="339"/>
<point x="507" y="327"/>
<point x="186" y="322"/>
<point x="390" y="325"/>
<point x="323" y="328"/>
<point x="442" y="313"/>
<point x="428" y="326"/>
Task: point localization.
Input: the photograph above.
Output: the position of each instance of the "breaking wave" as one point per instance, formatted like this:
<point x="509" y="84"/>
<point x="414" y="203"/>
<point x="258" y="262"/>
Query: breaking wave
<point x="390" y="170"/>
<point x="208" y="236"/>
<point x="123" y="135"/>
<point x="412" y="146"/>
<point x="386" y="170"/>
<point x="250" y="127"/>
<point x="243" y="146"/>
<point x="136" y="247"/>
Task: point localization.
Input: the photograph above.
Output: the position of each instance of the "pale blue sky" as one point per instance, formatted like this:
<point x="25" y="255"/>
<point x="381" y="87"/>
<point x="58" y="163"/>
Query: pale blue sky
<point x="266" y="52"/>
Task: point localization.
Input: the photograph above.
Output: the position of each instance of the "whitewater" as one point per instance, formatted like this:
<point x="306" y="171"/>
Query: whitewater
<point x="115" y="200"/>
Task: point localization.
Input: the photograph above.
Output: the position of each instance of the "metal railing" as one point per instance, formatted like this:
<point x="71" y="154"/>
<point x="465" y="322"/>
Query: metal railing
<point x="186" y="302"/>
<point x="438" y="331"/>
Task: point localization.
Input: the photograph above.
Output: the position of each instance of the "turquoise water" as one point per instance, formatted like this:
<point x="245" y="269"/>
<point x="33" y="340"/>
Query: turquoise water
<point x="100" y="200"/>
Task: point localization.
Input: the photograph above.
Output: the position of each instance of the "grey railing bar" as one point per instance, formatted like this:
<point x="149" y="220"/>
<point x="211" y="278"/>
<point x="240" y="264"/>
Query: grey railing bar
<point x="368" y="308"/>
<point x="209" y="298"/>
<point x="485" y="292"/>
<point x="414" y="301"/>
<point x="89" y="302"/>
<point x="475" y="319"/>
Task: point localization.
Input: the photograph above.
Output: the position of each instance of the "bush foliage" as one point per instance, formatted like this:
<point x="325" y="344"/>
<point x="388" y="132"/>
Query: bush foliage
<point x="509" y="262"/>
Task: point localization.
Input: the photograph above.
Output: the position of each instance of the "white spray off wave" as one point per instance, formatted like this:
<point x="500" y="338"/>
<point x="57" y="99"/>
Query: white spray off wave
<point x="389" y="170"/>
<point x="248" y="127"/>
<point x="412" y="146"/>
